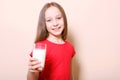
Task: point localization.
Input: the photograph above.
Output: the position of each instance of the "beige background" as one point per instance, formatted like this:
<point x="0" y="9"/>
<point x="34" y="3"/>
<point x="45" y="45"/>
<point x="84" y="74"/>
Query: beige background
<point x="94" y="30"/>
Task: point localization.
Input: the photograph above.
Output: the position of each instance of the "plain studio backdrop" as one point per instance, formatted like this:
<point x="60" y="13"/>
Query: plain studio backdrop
<point x="94" y="30"/>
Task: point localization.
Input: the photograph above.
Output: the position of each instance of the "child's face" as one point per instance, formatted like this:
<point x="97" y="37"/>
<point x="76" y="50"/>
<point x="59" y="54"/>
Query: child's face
<point x="54" y="21"/>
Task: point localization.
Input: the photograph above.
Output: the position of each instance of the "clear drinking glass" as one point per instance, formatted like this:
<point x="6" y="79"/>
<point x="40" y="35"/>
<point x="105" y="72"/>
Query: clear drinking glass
<point x="39" y="52"/>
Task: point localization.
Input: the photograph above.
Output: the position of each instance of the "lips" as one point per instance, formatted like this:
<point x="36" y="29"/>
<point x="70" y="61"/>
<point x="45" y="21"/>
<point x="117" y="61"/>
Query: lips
<point x="56" y="29"/>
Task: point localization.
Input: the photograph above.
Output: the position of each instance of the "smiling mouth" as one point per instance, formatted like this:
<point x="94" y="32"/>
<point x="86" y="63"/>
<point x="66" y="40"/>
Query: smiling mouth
<point x="56" y="29"/>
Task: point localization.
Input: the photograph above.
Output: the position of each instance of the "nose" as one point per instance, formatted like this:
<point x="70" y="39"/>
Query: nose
<point x="55" y="23"/>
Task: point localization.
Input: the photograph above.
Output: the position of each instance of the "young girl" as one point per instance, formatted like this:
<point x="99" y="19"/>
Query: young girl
<point x="52" y="30"/>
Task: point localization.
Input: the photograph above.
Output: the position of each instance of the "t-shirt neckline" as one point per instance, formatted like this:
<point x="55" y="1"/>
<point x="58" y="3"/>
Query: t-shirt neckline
<point x="55" y="43"/>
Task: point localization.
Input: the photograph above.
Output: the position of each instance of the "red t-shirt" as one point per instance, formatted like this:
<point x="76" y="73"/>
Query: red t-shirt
<point x="58" y="61"/>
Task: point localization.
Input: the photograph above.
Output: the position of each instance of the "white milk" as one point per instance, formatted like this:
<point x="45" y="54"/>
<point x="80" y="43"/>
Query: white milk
<point x="40" y="55"/>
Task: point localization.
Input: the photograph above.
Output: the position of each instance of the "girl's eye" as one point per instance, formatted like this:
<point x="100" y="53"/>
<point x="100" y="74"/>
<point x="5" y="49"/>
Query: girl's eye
<point x="48" y="20"/>
<point x="59" y="17"/>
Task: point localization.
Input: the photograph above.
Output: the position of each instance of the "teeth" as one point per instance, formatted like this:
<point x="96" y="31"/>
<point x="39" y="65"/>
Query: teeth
<point x="57" y="28"/>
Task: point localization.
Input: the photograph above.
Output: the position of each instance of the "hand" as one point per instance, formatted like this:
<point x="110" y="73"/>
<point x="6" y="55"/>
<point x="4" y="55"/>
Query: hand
<point x="34" y="65"/>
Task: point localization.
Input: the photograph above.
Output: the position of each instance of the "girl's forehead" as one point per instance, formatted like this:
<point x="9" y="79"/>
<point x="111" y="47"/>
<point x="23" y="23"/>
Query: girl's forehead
<point x="51" y="11"/>
<point x="52" y="8"/>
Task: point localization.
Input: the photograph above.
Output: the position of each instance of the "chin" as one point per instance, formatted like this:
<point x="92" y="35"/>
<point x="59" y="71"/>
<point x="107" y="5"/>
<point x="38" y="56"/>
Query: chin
<point x="57" y="34"/>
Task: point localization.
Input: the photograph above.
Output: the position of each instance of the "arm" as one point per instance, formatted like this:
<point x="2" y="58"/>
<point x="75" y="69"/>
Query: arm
<point x="72" y="68"/>
<point x="32" y="75"/>
<point x="71" y="72"/>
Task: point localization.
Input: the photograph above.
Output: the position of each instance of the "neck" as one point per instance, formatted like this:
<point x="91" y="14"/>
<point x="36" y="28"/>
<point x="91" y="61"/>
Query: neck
<point x="57" y="40"/>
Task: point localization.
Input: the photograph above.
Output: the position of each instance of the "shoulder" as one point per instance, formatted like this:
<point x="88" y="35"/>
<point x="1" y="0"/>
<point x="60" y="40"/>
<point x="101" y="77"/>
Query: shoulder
<point x="69" y="44"/>
<point x="70" y="47"/>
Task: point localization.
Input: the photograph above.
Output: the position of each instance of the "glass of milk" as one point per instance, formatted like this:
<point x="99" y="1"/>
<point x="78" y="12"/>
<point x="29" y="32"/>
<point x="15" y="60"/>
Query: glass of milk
<point x="39" y="52"/>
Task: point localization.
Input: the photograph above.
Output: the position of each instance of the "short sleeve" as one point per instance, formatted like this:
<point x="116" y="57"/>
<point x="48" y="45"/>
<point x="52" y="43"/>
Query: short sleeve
<point x="73" y="52"/>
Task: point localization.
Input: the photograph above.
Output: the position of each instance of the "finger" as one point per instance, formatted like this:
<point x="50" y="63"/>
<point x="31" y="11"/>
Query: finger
<point x="40" y="68"/>
<point x="32" y="59"/>
<point x="34" y="67"/>
<point x="34" y="63"/>
<point x="33" y="70"/>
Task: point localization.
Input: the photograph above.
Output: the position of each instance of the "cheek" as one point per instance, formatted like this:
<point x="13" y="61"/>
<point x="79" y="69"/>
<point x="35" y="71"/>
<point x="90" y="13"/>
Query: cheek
<point x="48" y="25"/>
<point x="61" y="22"/>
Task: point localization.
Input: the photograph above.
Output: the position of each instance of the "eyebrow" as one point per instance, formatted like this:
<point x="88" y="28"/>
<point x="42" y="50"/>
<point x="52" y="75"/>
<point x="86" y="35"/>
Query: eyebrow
<point x="58" y="15"/>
